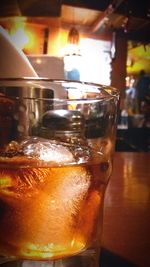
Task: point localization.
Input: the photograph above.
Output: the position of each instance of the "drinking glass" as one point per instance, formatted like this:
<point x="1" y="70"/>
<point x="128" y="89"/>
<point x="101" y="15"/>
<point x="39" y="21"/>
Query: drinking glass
<point x="57" y="141"/>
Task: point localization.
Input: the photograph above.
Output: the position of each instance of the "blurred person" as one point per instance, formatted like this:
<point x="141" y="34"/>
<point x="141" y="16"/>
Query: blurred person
<point x="143" y="94"/>
<point x="143" y="89"/>
<point x="131" y="98"/>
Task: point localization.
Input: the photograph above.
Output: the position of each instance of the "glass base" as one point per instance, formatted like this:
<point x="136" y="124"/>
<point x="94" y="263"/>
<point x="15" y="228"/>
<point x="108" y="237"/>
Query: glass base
<point x="89" y="258"/>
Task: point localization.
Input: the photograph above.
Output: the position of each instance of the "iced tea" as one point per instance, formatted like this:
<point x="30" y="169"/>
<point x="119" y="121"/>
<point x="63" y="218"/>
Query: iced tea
<point x="56" y="146"/>
<point x="50" y="210"/>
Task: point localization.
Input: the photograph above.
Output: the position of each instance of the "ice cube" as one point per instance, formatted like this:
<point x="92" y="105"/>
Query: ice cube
<point x="47" y="150"/>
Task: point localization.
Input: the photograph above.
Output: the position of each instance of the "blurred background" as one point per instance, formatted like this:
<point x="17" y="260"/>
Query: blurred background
<point x="105" y="41"/>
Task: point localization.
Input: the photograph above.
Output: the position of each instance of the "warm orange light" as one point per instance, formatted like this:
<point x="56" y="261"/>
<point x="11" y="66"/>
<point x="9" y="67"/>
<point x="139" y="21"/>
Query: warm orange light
<point x="20" y="35"/>
<point x="31" y="40"/>
<point x="20" y="38"/>
<point x="138" y="58"/>
<point x="16" y="23"/>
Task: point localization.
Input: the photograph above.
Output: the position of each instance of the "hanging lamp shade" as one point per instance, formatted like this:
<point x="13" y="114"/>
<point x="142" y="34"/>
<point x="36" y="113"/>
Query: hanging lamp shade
<point x="73" y="36"/>
<point x="72" y="48"/>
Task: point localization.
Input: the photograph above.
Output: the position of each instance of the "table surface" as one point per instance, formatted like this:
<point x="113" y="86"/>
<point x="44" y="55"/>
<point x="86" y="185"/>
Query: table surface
<point x="126" y="230"/>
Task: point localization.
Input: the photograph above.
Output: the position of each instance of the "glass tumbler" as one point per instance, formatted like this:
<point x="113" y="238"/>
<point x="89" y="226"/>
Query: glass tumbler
<point x="57" y="141"/>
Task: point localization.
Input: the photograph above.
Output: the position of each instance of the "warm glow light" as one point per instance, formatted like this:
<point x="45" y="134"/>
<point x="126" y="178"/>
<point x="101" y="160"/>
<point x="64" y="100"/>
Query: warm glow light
<point x="31" y="40"/>
<point x="16" y="23"/>
<point x="72" y="46"/>
<point x="19" y="38"/>
<point x="72" y="49"/>
<point x="138" y="58"/>
<point x="72" y="62"/>
<point x="38" y="61"/>
<point x="96" y="64"/>
<point x="20" y="35"/>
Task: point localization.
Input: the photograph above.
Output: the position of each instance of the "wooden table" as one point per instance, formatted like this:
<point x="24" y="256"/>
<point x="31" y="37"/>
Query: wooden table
<point x="126" y="230"/>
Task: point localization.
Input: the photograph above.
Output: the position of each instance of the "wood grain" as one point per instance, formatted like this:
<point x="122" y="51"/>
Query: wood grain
<point x="126" y="230"/>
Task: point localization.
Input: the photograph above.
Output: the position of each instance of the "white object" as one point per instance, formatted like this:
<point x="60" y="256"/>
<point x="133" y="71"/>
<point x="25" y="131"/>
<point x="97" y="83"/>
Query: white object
<point x="13" y="62"/>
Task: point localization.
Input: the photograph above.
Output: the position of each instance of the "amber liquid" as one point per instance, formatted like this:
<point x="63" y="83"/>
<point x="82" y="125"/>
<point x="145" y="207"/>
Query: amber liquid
<point x="50" y="212"/>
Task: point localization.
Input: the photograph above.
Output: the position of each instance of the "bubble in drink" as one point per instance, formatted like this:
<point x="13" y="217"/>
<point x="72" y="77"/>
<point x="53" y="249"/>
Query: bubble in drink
<point x="49" y="202"/>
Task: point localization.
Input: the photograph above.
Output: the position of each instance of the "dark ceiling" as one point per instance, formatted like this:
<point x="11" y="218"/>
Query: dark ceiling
<point x="130" y="17"/>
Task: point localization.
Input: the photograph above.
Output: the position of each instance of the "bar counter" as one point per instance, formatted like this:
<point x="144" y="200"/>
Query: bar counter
<point x="126" y="230"/>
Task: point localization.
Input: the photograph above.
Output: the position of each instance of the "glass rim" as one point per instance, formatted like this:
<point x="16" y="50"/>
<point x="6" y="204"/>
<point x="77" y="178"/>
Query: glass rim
<point x="112" y="92"/>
